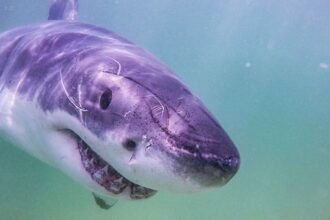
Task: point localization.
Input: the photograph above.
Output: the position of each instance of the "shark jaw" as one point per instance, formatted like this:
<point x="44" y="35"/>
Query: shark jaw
<point x="105" y="175"/>
<point x="66" y="150"/>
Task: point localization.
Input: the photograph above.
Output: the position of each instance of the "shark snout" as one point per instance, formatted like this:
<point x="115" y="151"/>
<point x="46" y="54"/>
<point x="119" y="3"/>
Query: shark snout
<point x="210" y="161"/>
<point x="230" y="165"/>
<point x="220" y="170"/>
<point x="214" y="165"/>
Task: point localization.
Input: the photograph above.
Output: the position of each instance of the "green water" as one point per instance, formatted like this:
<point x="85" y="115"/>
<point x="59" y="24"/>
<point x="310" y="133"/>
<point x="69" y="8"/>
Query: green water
<point x="262" y="68"/>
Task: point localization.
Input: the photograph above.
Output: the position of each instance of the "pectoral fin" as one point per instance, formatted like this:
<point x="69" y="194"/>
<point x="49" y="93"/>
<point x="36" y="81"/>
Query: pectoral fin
<point x="104" y="202"/>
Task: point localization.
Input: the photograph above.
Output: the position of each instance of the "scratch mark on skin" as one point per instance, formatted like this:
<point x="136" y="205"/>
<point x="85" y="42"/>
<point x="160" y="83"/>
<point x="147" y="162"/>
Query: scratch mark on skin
<point x="131" y="112"/>
<point x="157" y="109"/>
<point x="131" y="159"/>
<point x="21" y="81"/>
<point x="70" y="98"/>
<point x="119" y="66"/>
<point x="149" y="145"/>
<point x="112" y="72"/>
<point x="127" y="113"/>
<point x="79" y="101"/>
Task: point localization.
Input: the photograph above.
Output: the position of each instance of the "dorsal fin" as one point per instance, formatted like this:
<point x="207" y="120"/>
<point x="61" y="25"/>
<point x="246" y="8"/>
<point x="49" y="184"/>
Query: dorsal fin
<point x="63" y="10"/>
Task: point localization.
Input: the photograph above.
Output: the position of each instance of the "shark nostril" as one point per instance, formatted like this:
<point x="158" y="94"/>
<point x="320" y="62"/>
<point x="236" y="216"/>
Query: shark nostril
<point x="129" y="144"/>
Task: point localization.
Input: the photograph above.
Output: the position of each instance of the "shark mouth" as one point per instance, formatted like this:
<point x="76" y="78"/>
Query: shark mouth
<point x="106" y="176"/>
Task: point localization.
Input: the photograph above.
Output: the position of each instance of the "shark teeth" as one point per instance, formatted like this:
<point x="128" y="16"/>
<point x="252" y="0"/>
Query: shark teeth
<point x="106" y="176"/>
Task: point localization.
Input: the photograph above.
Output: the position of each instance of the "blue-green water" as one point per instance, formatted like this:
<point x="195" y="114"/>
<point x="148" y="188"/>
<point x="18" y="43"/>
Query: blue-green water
<point x="262" y="68"/>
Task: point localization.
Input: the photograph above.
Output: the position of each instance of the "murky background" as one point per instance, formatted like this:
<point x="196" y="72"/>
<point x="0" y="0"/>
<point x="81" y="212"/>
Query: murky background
<point x="263" y="69"/>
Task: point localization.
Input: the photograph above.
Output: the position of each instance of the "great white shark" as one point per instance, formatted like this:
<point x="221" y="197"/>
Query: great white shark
<point x="106" y="112"/>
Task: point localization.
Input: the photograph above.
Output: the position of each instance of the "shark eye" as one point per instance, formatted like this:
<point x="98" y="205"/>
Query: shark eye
<point x="129" y="144"/>
<point x="105" y="99"/>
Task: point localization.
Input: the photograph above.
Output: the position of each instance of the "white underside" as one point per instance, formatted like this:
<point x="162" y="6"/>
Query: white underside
<point x="27" y="127"/>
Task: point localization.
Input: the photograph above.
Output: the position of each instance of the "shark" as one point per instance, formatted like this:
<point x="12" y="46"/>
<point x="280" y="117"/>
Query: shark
<point x="106" y="112"/>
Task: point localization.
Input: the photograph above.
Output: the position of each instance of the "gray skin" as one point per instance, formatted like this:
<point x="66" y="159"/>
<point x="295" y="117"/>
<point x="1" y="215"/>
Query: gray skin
<point x="143" y="97"/>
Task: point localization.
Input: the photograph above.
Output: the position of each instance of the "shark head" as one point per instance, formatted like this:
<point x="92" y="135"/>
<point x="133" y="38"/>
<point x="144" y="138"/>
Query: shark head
<point x="138" y="128"/>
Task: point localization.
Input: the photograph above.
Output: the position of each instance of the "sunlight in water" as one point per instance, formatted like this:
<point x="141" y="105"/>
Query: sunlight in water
<point x="261" y="67"/>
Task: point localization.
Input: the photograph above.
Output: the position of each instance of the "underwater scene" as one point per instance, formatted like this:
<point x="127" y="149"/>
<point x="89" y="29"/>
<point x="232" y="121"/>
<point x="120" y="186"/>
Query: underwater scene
<point x="262" y="68"/>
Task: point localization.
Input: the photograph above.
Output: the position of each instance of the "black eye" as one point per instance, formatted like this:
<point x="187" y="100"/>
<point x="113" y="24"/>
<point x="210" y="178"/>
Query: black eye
<point x="129" y="144"/>
<point x="105" y="99"/>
